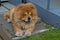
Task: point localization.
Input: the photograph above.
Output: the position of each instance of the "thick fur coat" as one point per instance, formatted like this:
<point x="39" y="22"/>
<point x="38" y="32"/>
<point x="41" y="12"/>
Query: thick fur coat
<point x="23" y="18"/>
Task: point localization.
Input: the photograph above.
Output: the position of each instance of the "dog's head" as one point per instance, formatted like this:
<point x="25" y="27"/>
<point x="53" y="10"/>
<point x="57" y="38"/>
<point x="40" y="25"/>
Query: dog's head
<point x="26" y="12"/>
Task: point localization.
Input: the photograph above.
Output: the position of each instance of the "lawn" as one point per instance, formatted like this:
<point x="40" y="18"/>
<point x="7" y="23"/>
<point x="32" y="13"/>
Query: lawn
<point x="50" y="35"/>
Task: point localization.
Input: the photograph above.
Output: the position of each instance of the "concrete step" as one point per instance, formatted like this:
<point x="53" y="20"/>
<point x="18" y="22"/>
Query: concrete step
<point x="8" y="5"/>
<point x="2" y="9"/>
<point x="5" y="7"/>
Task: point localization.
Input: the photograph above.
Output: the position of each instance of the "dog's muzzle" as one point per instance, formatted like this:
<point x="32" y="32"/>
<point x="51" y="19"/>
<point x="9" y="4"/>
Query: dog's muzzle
<point x="28" y="20"/>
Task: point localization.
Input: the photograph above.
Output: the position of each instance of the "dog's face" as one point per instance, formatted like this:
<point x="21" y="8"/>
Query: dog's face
<point x="27" y="17"/>
<point x="26" y="13"/>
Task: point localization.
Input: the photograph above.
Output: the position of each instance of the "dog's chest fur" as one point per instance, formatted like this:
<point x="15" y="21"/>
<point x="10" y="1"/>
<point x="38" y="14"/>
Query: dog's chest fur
<point x="24" y="26"/>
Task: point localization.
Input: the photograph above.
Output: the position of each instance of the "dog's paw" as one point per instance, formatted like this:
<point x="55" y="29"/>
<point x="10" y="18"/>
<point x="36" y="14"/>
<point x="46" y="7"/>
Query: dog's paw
<point x="8" y="20"/>
<point x="27" y="33"/>
<point x="18" y="34"/>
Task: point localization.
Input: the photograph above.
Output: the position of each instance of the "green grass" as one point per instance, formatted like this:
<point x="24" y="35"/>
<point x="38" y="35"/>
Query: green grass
<point x="50" y="35"/>
<point x="49" y="26"/>
<point x="39" y="21"/>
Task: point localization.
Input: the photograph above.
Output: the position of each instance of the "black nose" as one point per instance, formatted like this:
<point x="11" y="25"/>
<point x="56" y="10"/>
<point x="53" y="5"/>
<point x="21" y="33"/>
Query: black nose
<point x="29" y="19"/>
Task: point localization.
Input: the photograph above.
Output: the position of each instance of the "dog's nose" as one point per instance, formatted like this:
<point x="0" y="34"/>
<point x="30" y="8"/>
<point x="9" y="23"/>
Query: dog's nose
<point x="29" y="19"/>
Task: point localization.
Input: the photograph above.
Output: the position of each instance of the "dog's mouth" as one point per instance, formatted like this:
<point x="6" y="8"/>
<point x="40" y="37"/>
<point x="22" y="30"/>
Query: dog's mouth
<point x="28" y="20"/>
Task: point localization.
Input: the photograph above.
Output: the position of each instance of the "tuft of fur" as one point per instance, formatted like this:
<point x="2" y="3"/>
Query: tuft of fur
<point x="19" y="13"/>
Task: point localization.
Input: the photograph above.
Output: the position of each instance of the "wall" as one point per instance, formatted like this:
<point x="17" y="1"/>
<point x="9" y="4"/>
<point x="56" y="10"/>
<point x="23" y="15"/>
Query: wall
<point x="48" y="16"/>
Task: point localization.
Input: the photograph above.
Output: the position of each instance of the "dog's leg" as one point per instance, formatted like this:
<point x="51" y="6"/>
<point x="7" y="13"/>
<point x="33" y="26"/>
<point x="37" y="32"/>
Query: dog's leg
<point x="29" y="31"/>
<point x="18" y="31"/>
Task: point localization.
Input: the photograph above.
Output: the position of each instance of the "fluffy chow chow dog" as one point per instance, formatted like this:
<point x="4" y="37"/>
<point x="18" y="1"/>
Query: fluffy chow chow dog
<point x="23" y="18"/>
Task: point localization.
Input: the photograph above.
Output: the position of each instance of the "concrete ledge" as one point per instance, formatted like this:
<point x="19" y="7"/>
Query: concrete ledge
<point x="38" y="31"/>
<point x="3" y="9"/>
<point x="8" y="5"/>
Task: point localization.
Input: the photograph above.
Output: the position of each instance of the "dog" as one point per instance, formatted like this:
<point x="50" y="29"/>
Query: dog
<point x="23" y="17"/>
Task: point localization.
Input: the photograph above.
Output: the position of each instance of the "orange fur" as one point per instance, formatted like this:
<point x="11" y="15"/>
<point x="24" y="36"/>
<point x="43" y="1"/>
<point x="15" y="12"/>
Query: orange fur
<point x="19" y="14"/>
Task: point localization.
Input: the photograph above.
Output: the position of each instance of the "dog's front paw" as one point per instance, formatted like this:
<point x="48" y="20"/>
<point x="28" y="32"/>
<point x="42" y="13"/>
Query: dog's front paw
<point x="18" y="34"/>
<point x="8" y="20"/>
<point x="27" y="33"/>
